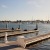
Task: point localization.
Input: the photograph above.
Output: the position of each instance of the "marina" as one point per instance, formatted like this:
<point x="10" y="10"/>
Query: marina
<point x="30" y="37"/>
<point x="24" y="24"/>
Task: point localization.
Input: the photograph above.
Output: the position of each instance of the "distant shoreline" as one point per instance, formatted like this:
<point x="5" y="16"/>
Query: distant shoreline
<point x="20" y="21"/>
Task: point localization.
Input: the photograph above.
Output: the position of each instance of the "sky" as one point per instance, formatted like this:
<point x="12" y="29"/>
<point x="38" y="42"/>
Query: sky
<point x="24" y="10"/>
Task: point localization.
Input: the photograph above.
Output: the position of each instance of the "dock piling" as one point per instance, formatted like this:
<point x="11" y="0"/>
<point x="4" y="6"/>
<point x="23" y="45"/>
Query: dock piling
<point x="6" y="41"/>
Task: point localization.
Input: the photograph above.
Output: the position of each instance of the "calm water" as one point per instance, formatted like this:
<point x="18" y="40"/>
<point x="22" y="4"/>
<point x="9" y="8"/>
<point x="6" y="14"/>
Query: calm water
<point x="43" y="29"/>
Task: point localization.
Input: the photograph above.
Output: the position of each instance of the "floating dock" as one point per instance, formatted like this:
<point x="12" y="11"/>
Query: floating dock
<point x="24" y="42"/>
<point x="15" y="32"/>
<point x="11" y="45"/>
<point x="21" y="41"/>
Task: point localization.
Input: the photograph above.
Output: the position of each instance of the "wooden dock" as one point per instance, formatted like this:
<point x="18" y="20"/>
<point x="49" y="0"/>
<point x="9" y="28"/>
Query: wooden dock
<point x="11" y="45"/>
<point x="7" y="30"/>
<point x="24" y="42"/>
<point x="15" y="32"/>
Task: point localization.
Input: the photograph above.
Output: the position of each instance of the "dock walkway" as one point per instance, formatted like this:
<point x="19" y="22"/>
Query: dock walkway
<point x="24" y="42"/>
<point x="11" y="45"/>
<point x="12" y="33"/>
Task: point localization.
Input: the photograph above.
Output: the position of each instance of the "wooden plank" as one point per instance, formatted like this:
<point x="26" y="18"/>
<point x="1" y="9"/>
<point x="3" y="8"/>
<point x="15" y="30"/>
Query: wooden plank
<point x="23" y="42"/>
<point x="12" y="33"/>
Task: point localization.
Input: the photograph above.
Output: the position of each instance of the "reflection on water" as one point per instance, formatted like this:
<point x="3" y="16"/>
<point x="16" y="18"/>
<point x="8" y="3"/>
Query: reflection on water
<point x="1" y="40"/>
<point x="11" y="38"/>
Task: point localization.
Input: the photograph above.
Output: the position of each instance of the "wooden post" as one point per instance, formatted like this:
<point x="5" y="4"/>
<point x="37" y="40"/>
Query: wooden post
<point x="19" y="26"/>
<point x="36" y="26"/>
<point x="6" y="25"/>
<point x="6" y="41"/>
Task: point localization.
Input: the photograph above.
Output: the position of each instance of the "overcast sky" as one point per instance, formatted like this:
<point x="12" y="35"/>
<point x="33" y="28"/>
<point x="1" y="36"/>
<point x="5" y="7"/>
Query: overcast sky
<point x="24" y="9"/>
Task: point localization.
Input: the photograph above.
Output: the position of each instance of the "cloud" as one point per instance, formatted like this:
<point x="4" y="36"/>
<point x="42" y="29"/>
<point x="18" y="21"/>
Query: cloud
<point x="38" y="3"/>
<point x="33" y="3"/>
<point x="4" y="6"/>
